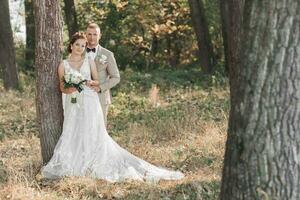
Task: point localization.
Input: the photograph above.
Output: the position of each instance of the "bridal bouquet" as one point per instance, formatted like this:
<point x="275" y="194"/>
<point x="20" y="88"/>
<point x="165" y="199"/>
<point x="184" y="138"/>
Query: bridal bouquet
<point x="74" y="79"/>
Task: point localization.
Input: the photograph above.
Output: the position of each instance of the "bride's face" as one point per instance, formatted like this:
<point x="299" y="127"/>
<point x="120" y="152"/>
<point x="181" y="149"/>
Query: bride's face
<point x="78" y="47"/>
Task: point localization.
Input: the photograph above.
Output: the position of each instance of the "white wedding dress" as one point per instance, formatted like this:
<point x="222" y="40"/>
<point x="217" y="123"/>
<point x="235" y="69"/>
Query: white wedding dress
<point x="86" y="149"/>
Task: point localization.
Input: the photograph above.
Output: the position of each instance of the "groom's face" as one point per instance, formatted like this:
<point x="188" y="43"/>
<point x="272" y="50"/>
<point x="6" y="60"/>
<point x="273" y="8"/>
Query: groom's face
<point x="93" y="36"/>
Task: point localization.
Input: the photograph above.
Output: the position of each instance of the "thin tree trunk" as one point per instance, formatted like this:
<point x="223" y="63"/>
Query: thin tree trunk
<point x="224" y="8"/>
<point x="169" y="48"/>
<point x="175" y="51"/>
<point x="71" y="18"/>
<point x="48" y="55"/>
<point x="30" y="34"/>
<point x="263" y="147"/>
<point x="205" y="54"/>
<point x="232" y="20"/>
<point x="153" y="52"/>
<point x="7" y="50"/>
<point x="154" y="46"/>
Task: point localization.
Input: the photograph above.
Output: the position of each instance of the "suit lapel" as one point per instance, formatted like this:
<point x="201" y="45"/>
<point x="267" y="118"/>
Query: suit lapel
<point x="99" y="50"/>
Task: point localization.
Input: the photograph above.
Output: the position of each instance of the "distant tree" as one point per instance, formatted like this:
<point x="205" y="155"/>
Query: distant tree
<point x="70" y="17"/>
<point x="30" y="35"/>
<point x="158" y="37"/>
<point x="205" y="51"/>
<point x="263" y="146"/>
<point x="7" y="49"/>
<point x="48" y="56"/>
<point x="232" y="20"/>
<point x="224" y="8"/>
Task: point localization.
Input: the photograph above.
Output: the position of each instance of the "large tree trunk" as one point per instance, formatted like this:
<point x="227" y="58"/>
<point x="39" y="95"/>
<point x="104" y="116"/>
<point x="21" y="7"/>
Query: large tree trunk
<point x="205" y="54"/>
<point x="48" y="55"/>
<point x="71" y="19"/>
<point x="262" y="151"/>
<point x="7" y="51"/>
<point x="30" y="34"/>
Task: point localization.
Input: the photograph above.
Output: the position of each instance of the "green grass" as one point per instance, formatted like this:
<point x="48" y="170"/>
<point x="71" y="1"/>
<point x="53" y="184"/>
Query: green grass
<point x="176" y="119"/>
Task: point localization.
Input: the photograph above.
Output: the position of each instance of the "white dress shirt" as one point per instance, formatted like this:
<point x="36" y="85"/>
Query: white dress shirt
<point x="92" y="54"/>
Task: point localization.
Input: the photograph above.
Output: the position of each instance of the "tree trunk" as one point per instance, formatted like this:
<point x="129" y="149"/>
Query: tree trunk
<point x="30" y="34"/>
<point x="71" y="19"/>
<point x="154" y="45"/>
<point x="175" y="51"/>
<point x="7" y="50"/>
<point x="48" y="55"/>
<point x="205" y="54"/>
<point x="263" y="147"/>
<point x="224" y="8"/>
<point x="232" y="19"/>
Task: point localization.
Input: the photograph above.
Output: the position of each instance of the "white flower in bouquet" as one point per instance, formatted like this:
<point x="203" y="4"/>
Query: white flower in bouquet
<point x="67" y="77"/>
<point x="73" y="79"/>
<point x="76" y="78"/>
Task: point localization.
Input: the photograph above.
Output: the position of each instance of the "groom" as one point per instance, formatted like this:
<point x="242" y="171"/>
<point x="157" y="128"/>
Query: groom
<point x="107" y="68"/>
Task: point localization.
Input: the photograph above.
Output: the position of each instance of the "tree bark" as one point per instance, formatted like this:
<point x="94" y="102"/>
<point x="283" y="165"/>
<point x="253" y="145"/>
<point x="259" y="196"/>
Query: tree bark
<point x="71" y="18"/>
<point x="175" y="50"/>
<point x="262" y="151"/>
<point x="232" y="20"/>
<point x="154" y="45"/>
<point x="49" y="45"/>
<point x="30" y="34"/>
<point x="7" y="50"/>
<point x="224" y="8"/>
<point x="205" y="54"/>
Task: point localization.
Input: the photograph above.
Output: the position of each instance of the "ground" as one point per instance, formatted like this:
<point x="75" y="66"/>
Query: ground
<point x="169" y="119"/>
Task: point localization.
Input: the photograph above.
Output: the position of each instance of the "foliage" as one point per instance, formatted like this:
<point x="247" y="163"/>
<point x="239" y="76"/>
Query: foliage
<point x="214" y="20"/>
<point x="144" y="35"/>
<point x="148" y="34"/>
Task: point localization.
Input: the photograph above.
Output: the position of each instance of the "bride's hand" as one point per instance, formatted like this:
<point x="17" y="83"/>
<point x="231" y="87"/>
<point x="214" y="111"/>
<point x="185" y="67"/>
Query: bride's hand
<point x="70" y="90"/>
<point x="92" y="83"/>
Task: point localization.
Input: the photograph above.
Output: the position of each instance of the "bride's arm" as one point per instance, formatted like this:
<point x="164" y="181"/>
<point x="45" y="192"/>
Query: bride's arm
<point x="94" y="83"/>
<point x="61" y="73"/>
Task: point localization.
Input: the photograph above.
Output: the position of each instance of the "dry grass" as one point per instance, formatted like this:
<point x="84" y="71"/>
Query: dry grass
<point x="192" y="145"/>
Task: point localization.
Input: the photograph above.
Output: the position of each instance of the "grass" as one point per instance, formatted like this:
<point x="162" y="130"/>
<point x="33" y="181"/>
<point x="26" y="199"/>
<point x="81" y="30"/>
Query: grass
<point x="154" y="116"/>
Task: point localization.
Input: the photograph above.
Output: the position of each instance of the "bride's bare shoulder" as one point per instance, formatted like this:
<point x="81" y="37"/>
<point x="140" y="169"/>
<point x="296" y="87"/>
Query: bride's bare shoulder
<point x="61" y="67"/>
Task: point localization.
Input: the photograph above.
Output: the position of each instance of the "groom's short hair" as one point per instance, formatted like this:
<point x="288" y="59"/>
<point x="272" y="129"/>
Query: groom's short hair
<point x="93" y="25"/>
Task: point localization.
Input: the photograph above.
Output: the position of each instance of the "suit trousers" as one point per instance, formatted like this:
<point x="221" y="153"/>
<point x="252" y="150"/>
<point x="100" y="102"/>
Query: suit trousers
<point x="104" y="107"/>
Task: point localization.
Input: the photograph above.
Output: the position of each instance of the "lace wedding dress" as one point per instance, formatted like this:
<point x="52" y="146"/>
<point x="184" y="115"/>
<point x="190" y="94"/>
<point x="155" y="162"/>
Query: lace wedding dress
<point x="86" y="149"/>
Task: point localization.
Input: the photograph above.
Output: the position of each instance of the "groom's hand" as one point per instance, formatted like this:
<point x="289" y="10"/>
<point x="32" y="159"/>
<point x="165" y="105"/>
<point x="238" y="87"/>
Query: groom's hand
<point x="96" y="88"/>
<point x="92" y="83"/>
<point x="89" y="83"/>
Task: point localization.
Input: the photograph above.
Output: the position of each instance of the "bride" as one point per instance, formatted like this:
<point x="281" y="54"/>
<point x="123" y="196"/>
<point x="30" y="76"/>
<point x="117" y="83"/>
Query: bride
<point x="85" y="148"/>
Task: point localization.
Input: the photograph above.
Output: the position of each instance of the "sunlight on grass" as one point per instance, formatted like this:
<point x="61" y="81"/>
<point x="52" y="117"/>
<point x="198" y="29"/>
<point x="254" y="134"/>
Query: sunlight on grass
<point x="181" y="128"/>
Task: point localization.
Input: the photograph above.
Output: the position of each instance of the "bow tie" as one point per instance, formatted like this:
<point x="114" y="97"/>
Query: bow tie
<point x="93" y="50"/>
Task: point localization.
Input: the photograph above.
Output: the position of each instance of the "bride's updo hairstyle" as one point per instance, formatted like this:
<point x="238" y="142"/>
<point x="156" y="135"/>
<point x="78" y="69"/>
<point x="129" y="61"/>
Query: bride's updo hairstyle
<point x="76" y="36"/>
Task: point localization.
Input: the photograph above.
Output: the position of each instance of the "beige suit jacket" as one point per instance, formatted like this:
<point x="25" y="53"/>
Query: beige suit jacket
<point x="108" y="73"/>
